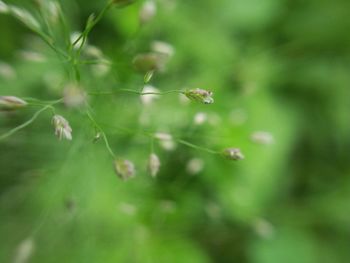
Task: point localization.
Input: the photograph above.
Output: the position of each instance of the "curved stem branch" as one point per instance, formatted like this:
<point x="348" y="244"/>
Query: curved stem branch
<point x="136" y="92"/>
<point x="102" y="132"/>
<point x="23" y="125"/>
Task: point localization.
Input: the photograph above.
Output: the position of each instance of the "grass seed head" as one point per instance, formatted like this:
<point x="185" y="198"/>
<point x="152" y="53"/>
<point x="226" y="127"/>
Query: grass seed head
<point x="8" y="103"/>
<point x="62" y="128"/>
<point x="200" y="95"/>
<point x="125" y="169"/>
<point x="234" y="154"/>
<point x="153" y="164"/>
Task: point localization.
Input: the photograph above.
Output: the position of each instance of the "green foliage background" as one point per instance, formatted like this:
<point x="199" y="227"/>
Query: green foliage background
<point x="282" y="66"/>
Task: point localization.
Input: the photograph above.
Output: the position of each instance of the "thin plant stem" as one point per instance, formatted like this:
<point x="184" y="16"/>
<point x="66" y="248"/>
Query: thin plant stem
<point x="153" y="137"/>
<point x="23" y="125"/>
<point x="102" y="133"/>
<point x="136" y="92"/>
<point x="196" y="146"/>
<point x="98" y="18"/>
<point x="34" y="100"/>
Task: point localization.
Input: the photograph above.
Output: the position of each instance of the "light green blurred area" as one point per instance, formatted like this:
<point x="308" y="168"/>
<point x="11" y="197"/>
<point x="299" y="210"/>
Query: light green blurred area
<point x="279" y="66"/>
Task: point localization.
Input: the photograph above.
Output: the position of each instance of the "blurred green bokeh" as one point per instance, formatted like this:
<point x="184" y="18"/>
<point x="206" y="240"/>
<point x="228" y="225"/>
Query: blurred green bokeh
<point x="279" y="66"/>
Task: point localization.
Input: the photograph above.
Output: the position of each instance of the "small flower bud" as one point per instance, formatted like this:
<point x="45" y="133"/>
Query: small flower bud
<point x="166" y="141"/>
<point x="163" y="136"/>
<point x="195" y="166"/>
<point x="75" y="37"/>
<point x="102" y="65"/>
<point x="25" y="250"/>
<point x="153" y="164"/>
<point x="147" y="12"/>
<point x="124" y="169"/>
<point x="97" y="137"/>
<point x="162" y="48"/>
<point x="54" y="11"/>
<point x="3" y="7"/>
<point x="234" y="154"/>
<point x="74" y="96"/>
<point x="149" y="62"/>
<point x="150" y="98"/>
<point x="7" y="71"/>
<point x="200" y="118"/>
<point x="25" y="17"/>
<point x="62" y="128"/>
<point x="11" y="103"/>
<point x="200" y="95"/>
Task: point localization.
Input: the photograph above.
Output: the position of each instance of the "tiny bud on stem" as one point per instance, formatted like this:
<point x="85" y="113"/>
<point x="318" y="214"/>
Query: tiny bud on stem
<point x="125" y="169"/>
<point x="200" y="95"/>
<point x="234" y="154"/>
<point x="153" y="164"/>
<point x="11" y="103"/>
<point x="62" y="128"/>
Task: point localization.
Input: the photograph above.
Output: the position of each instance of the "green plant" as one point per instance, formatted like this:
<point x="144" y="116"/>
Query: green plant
<point x="73" y="53"/>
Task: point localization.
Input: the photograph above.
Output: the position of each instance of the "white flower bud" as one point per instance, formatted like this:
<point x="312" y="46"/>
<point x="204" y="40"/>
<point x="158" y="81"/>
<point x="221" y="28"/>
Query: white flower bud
<point x="148" y="99"/>
<point x="3" y="7"/>
<point x="163" y="136"/>
<point x="11" y="103"/>
<point x="153" y="164"/>
<point x="166" y="141"/>
<point x="62" y="128"/>
<point x="74" y="96"/>
<point x="147" y="62"/>
<point x="74" y="37"/>
<point x="169" y="145"/>
<point x="233" y="154"/>
<point x="162" y="48"/>
<point x="200" y="118"/>
<point x="147" y="12"/>
<point x="200" y="95"/>
<point x="195" y="166"/>
<point x="24" y="251"/>
<point x="25" y="17"/>
<point x="7" y="71"/>
<point x="125" y="169"/>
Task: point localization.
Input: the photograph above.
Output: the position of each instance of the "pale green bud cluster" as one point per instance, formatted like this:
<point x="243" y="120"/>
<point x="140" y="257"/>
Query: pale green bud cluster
<point x="200" y="95"/>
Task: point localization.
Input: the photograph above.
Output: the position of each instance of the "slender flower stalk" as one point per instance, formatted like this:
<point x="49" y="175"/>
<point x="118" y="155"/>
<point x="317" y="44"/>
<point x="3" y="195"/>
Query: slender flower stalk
<point x="27" y="123"/>
<point x="135" y="92"/>
<point x="100" y="133"/>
